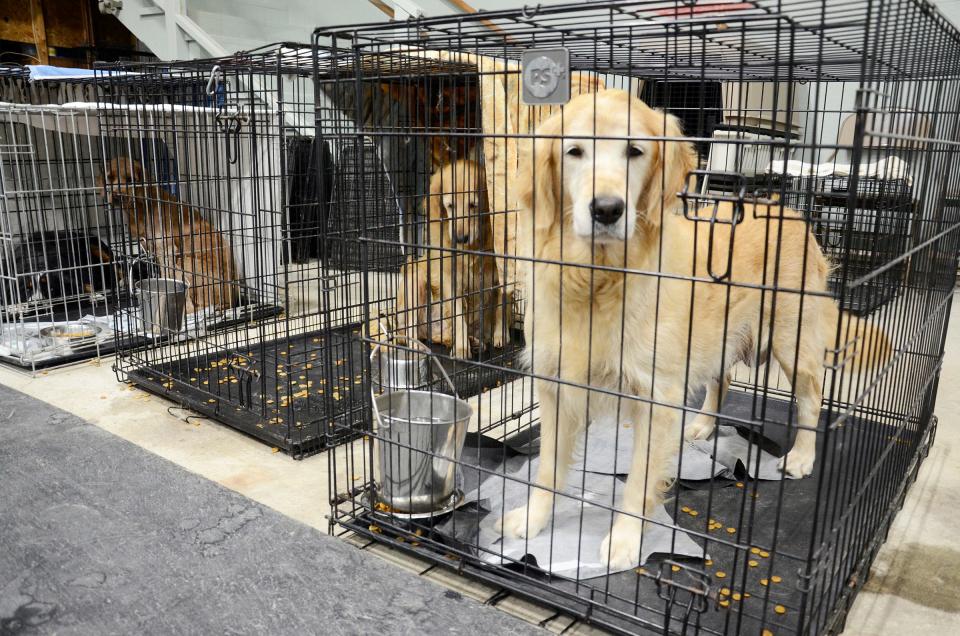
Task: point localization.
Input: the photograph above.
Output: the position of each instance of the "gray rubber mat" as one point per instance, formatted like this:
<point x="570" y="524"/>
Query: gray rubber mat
<point x="98" y="536"/>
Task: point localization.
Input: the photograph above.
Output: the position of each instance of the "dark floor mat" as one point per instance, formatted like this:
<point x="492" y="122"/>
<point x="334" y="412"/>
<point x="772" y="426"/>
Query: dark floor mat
<point x="98" y="536"/>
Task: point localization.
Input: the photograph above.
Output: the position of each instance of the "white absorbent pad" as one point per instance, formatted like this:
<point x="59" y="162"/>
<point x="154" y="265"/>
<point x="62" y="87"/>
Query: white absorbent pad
<point x="570" y="544"/>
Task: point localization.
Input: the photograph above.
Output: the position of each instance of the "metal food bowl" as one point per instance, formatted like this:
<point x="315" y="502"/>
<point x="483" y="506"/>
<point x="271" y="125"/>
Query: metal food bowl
<point x="70" y="335"/>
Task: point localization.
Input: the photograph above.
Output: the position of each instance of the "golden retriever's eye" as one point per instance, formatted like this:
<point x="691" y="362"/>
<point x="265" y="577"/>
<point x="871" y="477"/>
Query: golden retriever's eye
<point x="634" y="151"/>
<point x="575" y="151"/>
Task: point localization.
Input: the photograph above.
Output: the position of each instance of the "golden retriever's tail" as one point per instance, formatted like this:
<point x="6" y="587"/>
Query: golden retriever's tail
<point x="863" y="345"/>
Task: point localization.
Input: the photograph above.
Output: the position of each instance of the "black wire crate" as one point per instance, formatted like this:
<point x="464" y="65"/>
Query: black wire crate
<point x="220" y="175"/>
<point x="62" y="272"/>
<point x="649" y="298"/>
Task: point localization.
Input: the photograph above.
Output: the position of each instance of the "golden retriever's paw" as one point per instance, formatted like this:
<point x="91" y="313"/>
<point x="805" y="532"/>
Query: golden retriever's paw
<point x="517" y="524"/>
<point x="462" y="348"/>
<point x="621" y="549"/>
<point x="798" y="463"/>
<point x="700" y="428"/>
<point x="498" y="340"/>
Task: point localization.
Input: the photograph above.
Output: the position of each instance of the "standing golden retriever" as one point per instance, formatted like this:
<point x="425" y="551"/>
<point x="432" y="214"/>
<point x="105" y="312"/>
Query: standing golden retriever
<point x="185" y="244"/>
<point x="633" y="310"/>
<point x="460" y="260"/>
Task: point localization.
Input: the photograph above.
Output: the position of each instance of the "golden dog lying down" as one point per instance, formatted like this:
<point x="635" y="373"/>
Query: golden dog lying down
<point x="605" y="195"/>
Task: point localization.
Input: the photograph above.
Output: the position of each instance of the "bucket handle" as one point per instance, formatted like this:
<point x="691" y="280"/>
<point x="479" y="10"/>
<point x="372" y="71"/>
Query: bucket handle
<point x="431" y="357"/>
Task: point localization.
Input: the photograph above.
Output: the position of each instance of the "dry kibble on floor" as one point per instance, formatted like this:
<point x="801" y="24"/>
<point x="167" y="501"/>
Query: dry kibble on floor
<point x="775" y="578"/>
<point x="708" y="562"/>
<point x="675" y="568"/>
<point x="641" y="571"/>
<point x="685" y="509"/>
<point x="724" y="591"/>
<point x="764" y="554"/>
<point x="731" y="530"/>
<point x="737" y="596"/>
<point x="753" y="563"/>
<point x="755" y="550"/>
<point x="764" y="581"/>
<point x="694" y="513"/>
<point x="766" y="632"/>
<point x="724" y="603"/>
<point x="274" y="450"/>
<point x="721" y="575"/>
<point x="780" y="609"/>
<point x="739" y="484"/>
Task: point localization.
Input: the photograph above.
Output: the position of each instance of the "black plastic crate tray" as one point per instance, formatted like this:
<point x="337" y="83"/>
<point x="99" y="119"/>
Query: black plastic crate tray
<point x="291" y="401"/>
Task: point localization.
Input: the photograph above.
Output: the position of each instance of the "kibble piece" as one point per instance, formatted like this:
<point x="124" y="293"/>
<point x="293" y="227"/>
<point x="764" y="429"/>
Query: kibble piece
<point x="739" y="484"/>
<point x="737" y="596"/>
<point x="732" y="530"/>
<point x="752" y="563"/>
<point x="775" y="578"/>
<point x="755" y="550"/>
<point x="724" y="591"/>
<point x="764" y="554"/>
<point x="694" y="513"/>
<point x="708" y="562"/>
<point x="766" y="632"/>
<point x="780" y="609"/>
<point x="724" y="603"/>
<point x="721" y="575"/>
<point x="685" y="509"/>
<point x="675" y="568"/>
<point x="764" y="581"/>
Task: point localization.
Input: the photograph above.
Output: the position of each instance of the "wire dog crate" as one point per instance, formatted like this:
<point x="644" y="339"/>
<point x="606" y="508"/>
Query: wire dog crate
<point x="62" y="276"/>
<point x="733" y="325"/>
<point x="229" y="218"/>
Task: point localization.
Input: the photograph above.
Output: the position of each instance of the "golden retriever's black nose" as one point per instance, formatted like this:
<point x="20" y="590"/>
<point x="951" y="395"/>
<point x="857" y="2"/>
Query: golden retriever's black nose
<point x="463" y="238"/>
<point x="606" y="210"/>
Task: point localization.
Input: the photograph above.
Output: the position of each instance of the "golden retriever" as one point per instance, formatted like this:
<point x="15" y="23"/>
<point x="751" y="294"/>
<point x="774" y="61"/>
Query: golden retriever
<point x="633" y="310"/>
<point x="185" y="244"/>
<point x="459" y="272"/>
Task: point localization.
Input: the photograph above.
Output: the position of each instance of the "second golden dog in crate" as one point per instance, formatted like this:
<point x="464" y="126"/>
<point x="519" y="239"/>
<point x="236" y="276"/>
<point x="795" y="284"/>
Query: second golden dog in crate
<point x="452" y="294"/>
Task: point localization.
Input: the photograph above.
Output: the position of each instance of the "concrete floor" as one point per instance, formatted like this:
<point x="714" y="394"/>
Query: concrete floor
<point x="101" y="536"/>
<point x="915" y="587"/>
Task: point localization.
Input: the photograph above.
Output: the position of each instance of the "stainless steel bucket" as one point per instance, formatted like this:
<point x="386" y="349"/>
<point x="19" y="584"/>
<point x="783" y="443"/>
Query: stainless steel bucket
<point x="420" y="431"/>
<point x="420" y="434"/>
<point x="163" y="303"/>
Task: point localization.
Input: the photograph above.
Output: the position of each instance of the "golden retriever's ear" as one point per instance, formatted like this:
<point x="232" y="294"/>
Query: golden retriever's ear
<point x="538" y="181"/>
<point x="668" y="177"/>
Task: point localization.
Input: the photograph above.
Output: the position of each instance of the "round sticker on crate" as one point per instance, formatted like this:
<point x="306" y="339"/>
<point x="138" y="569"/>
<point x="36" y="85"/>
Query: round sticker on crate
<point x="546" y="76"/>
